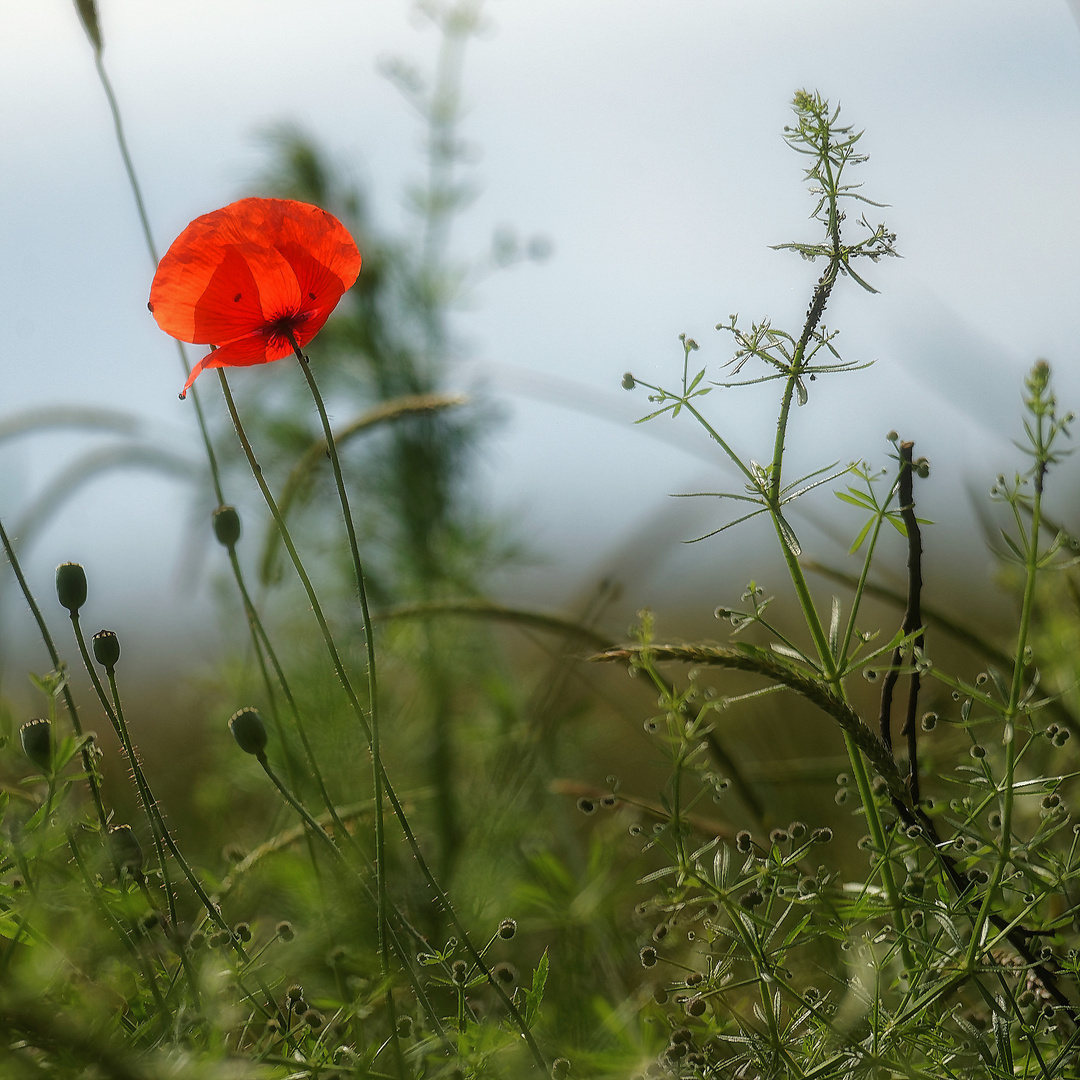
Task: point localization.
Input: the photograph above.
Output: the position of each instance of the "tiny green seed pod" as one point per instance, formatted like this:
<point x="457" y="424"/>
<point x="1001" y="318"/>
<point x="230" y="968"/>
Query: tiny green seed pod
<point x="226" y="522"/>
<point x="36" y="737"/>
<point x="249" y="731"/>
<point x="106" y="649"/>
<point x="71" y="586"/>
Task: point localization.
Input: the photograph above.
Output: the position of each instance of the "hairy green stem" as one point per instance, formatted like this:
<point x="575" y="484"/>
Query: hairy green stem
<point x="369" y="640"/>
<point x="354" y="702"/>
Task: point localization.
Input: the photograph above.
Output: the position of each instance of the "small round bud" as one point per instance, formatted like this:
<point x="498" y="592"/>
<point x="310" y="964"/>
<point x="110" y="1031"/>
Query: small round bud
<point x="106" y="649"/>
<point x="677" y="1050"/>
<point x="893" y="437"/>
<point x="295" y="992"/>
<point x="744" y="841"/>
<point x="504" y="973"/>
<point x="796" y="830"/>
<point x="71" y="586"/>
<point x="36" y="738"/>
<point x="695" y="1006"/>
<point x="126" y="849"/>
<point x="586" y="806"/>
<point x="822" y="836"/>
<point x="249" y="731"/>
<point x="243" y="931"/>
<point x="751" y="899"/>
<point x="226" y="522"/>
<point x="459" y="971"/>
<point x="284" y="930"/>
<point x="978" y="751"/>
<point x="929" y="721"/>
<point x="628" y="381"/>
<point x="647" y="956"/>
<point x="507" y="929"/>
<point x="314" y="1019"/>
<point x="778" y="836"/>
<point x="560" y="1069"/>
<point x="917" y="919"/>
<point x="682" y="1035"/>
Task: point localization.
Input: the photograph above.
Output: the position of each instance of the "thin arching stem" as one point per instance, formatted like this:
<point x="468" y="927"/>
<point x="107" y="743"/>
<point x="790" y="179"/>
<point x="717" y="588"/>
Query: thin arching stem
<point x="369" y="638"/>
<point x="354" y="703"/>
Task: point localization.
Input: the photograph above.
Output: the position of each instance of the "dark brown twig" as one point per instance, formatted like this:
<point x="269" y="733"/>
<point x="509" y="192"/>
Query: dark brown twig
<point x="912" y="624"/>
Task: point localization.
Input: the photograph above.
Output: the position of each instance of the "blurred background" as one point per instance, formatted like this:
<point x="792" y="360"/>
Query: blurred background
<point x="628" y="176"/>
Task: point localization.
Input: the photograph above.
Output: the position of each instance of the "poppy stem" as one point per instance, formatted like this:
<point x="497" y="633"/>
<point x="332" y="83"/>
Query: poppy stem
<point x="354" y="702"/>
<point x="373" y="692"/>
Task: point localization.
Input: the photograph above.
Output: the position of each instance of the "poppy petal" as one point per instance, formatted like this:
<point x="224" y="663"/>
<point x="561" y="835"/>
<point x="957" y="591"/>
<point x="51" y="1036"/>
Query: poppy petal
<point x="251" y="287"/>
<point x="246" y="277"/>
<point x="243" y="352"/>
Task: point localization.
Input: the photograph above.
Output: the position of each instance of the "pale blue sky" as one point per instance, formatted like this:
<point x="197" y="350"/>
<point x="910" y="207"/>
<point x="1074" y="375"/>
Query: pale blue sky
<point x="643" y="138"/>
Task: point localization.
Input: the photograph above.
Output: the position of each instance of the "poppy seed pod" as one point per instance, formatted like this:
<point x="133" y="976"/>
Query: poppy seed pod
<point x="71" y="586"/>
<point x="249" y="731"/>
<point x="226" y="523"/>
<point x="106" y="649"/>
<point x="126" y="850"/>
<point x="36" y="737"/>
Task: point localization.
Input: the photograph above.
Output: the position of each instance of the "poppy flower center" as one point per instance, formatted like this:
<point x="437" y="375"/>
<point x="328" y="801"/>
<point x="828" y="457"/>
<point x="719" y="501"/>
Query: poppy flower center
<point x="279" y="330"/>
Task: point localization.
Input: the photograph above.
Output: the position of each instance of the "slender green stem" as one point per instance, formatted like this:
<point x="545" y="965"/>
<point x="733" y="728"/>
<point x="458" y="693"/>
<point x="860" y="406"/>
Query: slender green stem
<point x="151" y="247"/>
<point x="93" y="779"/>
<point x="1012" y="711"/>
<point x="354" y="702"/>
<point x="299" y="807"/>
<point x="369" y="639"/>
<point x="159" y="827"/>
<point x="860" y="586"/>
<point x="145" y="795"/>
<point x="263" y="645"/>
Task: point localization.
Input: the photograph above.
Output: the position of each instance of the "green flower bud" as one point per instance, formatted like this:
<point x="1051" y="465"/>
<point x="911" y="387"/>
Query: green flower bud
<point x="628" y="381"/>
<point x="36" y="736"/>
<point x="71" y="586"/>
<point x="106" y="649"/>
<point x="249" y="731"/>
<point x="226" y="522"/>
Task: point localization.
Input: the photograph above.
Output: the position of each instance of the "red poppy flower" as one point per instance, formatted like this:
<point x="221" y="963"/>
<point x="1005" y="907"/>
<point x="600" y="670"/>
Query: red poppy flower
<point x="248" y="277"/>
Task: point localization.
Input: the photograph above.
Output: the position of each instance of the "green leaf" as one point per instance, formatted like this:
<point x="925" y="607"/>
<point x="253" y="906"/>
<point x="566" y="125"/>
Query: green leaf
<point x="863" y="533"/>
<point x="855" y="498"/>
<point x="535" y="996"/>
<point x="1012" y="545"/>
